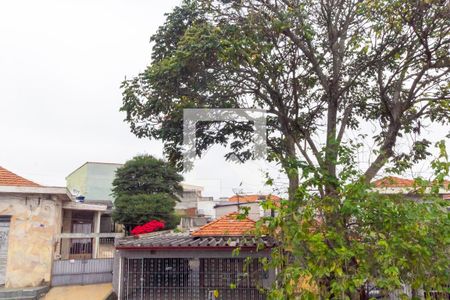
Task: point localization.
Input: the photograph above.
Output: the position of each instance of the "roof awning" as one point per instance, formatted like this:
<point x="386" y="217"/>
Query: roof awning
<point x="61" y="192"/>
<point x="84" y="206"/>
<point x="165" y="240"/>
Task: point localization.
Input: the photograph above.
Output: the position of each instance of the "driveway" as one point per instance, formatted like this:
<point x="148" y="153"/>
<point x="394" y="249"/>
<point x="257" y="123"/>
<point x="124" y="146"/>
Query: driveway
<point x="77" y="292"/>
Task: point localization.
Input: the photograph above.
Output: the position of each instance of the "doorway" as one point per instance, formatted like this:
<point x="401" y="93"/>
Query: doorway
<point x="81" y="248"/>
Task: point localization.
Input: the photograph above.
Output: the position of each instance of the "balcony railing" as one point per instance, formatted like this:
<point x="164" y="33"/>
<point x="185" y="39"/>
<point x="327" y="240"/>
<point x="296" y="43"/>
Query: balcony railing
<point x="86" y="245"/>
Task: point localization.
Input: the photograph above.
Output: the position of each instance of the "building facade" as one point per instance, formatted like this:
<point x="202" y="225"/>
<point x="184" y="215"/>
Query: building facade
<point x="200" y="265"/>
<point x="93" y="182"/>
<point x="33" y="222"/>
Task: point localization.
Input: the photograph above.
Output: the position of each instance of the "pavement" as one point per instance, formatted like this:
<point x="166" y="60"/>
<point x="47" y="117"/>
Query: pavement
<point x="77" y="292"/>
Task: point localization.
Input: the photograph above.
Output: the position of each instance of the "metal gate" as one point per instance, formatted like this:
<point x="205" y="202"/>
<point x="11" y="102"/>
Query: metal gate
<point x="83" y="271"/>
<point x="4" y="232"/>
<point x="198" y="279"/>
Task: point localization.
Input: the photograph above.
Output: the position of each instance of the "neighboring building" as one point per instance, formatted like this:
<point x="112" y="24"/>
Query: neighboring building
<point x="93" y="181"/>
<point x="166" y="265"/>
<point x="397" y="185"/>
<point x="253" y="198"/>
<point x="205" y="207"/>
<point x="250" y="202"/>
<point x="189" y="200"/>
<point x="255" y="211"/>
<point x="32" y="217"/>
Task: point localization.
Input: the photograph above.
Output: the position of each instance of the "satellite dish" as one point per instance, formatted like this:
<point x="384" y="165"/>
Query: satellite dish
<point x="238" y="191"/>
<point x="75" y="192"/>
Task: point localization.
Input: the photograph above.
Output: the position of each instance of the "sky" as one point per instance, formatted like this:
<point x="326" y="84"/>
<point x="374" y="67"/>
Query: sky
<point x="61" y="65"/>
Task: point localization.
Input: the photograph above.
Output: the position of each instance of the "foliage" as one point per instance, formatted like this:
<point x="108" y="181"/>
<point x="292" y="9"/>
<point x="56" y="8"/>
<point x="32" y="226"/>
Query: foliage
<point x="144" y="190"/>
<point x="148" y="227"/>
<point x="133" y="210"/>
<point x="321" y="69"/>
<point x="343" y="247"/>
<point x="145" y="174"/>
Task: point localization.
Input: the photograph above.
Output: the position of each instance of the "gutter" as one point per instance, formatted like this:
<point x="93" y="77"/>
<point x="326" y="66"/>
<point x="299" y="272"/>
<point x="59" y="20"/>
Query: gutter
<point x="212" y="248"/>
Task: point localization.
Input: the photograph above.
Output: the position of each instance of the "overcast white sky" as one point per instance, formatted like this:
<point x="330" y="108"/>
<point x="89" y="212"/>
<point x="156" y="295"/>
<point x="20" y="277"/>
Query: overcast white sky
<point x="61" y="65"/>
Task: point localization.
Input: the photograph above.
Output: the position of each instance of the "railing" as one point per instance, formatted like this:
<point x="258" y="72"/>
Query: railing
<point x="86" y="245"/>
<point x="175" y="278"/>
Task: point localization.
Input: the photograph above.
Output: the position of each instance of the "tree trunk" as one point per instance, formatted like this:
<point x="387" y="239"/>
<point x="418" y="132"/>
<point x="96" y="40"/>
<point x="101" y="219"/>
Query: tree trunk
<point x="331" y="151"/>
<point x="291" y="172"/>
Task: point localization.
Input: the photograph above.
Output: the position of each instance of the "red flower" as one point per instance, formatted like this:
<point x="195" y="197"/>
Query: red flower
<point x="151" y="226"/>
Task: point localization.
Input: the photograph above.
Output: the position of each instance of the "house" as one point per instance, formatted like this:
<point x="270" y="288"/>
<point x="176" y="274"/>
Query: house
<point x="253" y="198"/>
<point x="199" y="265"/>
<point x="252" y="203"/>
<point x="189" y="200"/>
<point x="92" y="182"/>
<point x="36" y="224"/>
<point x="397" y="185"/>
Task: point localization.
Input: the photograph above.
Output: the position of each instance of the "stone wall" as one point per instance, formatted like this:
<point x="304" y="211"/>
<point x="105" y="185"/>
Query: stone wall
<point x="35" y="220"/>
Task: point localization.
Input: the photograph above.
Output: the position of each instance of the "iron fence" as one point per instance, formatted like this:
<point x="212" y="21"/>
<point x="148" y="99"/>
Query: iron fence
<point x="106" y="247"/>
<point x="178" y="278"/>
<point x="86" y="245"/>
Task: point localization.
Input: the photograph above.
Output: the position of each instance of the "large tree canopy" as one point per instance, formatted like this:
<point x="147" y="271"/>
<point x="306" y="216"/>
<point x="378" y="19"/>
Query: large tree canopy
<point x="144" y="190"/>
<point x="324" y="71"/>
<point x="320" y="68"/>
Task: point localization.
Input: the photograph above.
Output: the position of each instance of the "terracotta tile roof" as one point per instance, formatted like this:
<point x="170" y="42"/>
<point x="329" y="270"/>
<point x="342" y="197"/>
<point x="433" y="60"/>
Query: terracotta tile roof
<point x="392" y="181"/>
<point x="397" y="182"/>
<point x="176" y="241"/>
<point x="10" y="179"/>
<point x="253" y="198"/>
<point x="228" y="225"/>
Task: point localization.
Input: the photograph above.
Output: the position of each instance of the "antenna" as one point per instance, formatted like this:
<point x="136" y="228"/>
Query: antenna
<point x="238" y="191"/>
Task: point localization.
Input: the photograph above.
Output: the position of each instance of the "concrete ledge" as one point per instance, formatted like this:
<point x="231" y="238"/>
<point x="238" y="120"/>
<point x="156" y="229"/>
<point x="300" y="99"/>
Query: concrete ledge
<point x="24" y="293"/>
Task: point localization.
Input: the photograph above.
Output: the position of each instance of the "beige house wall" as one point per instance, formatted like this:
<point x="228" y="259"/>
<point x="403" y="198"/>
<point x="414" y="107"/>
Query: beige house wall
<point x="66" y="227"/>
<point x="35" y="220"/>
<point x="254" y="213"/>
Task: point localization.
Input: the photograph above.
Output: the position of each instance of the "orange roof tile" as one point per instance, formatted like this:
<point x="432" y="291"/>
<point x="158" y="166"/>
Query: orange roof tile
<point x="397" y="182"/>
<point x="10" y="179"/>
<point x="392" y="181"/>
<point x="252" y="198"/>
<point x="228" y="225"/>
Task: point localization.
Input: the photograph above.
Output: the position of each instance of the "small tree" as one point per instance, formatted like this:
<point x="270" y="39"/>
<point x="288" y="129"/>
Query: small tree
<point x="144" y="189"/>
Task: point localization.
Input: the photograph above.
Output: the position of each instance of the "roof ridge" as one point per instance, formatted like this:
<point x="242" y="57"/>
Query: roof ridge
<point x="246" y="222"/>
<point x="400" y="182"/>
<point x="215" y="221"/>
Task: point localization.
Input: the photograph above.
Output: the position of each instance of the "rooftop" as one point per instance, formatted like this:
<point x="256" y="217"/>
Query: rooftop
<point x="8" y="178"/>
<point x="392" y="181"/>
<point x="171" y="240"/>
<point x="397" y="182"/>
<point x="228" y="225"/>
<point x="253" y="198"/>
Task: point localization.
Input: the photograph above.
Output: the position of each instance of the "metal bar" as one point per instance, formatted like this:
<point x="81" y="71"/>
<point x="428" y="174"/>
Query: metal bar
<point x="128" y="276"/>
<point x="142" y="279"/>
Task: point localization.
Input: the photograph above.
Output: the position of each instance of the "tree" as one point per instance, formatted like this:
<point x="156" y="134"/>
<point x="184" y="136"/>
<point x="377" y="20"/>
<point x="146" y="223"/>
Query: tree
<point x="145" y="189"/>
<point x="380" y="243"/>
<point x="324" y="71"/>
